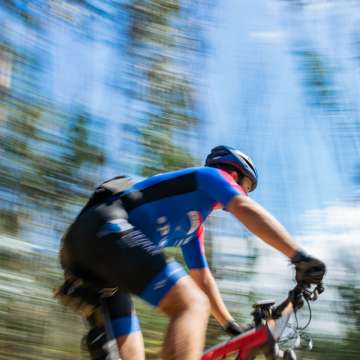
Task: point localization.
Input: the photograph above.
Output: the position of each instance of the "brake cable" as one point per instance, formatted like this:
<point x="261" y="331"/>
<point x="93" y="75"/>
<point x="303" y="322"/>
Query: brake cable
<point x="309" y="320"/>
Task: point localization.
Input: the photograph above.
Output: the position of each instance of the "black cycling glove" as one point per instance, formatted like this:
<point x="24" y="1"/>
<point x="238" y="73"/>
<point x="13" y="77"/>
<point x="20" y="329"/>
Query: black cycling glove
<point x="309" y="270"/>
<point x="233" y="328"/>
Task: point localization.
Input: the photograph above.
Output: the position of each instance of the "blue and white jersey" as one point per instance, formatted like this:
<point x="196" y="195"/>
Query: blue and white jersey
<point x="174" y="206"/>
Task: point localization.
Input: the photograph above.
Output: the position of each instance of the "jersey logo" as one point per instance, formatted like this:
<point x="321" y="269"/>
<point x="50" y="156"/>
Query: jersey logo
<point x="182" y="242"/>
<point x="164" y="227"/>
<point x="114" y="226"/>
<point x="195" y="221"/>
<point x="160" y="284"/>
<point x="163" y="242"/>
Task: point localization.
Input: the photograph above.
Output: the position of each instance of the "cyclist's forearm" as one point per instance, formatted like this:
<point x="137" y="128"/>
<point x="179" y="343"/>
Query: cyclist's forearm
<point x="206" y="282"/>
<point x="261" y="223"/>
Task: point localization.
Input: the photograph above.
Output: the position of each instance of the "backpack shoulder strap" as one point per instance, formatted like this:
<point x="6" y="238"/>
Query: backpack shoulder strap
<point x="117" y="184"/>
<point x="106" y="190"/>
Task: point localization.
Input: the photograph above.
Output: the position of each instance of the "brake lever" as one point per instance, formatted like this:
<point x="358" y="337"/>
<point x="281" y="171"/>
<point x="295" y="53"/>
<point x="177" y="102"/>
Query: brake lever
<point x="312" y="295"/>
<point x="320" y="288"/>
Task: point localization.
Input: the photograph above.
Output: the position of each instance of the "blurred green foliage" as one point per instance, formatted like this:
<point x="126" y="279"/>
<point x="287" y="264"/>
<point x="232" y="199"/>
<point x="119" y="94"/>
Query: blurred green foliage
<point x="318" y="77"/>
<point x="42" y="155"/>
<point x="161" y="79"/>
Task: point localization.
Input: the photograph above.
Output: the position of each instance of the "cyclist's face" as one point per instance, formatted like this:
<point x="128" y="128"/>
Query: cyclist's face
<point x="243" y="181"/>
<point x="246" y="184"/>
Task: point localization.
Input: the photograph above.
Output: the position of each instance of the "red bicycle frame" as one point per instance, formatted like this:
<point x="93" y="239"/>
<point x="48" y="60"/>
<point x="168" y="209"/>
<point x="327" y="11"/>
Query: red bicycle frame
<point x="262" y="338"/>
<point x="244" y="345"/>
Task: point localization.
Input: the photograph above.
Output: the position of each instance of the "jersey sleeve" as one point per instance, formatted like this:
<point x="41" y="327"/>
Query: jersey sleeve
<point x="194" y="251"/>
<point x="218" y="184"/>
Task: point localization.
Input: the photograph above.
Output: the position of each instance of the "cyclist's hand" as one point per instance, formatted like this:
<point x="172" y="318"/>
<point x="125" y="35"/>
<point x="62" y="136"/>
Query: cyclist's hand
<point x="233" y="328"/>
<point x="309" y="270"/>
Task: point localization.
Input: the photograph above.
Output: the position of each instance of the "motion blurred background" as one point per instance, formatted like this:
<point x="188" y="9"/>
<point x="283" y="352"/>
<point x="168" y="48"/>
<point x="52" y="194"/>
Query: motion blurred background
<point x="90" y="89"/>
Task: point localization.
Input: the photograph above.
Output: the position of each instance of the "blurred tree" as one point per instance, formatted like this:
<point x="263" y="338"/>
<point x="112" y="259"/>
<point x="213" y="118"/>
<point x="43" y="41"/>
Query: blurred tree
<point x="318" y="77"/>
<point x="43" y="168"/>
<point x="42" y="148"/>
<point x="349" y="311"/>
<point x="24" y="11"/>
<point x="46" y="156"/>
<point x="324" y="68"/>
<point x="160" y="46"/>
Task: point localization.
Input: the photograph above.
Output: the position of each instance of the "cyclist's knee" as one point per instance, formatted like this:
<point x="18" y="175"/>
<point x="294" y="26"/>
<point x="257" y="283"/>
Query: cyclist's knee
<point x="131" y="346"/>
<point x="185" y="295"/>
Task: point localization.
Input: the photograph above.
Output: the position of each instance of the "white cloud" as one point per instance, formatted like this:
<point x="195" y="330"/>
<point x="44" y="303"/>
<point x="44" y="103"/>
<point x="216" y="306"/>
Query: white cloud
<point x="336" y="217"/>
<point x="333" y="234"/>
<point x="268" y="36"/>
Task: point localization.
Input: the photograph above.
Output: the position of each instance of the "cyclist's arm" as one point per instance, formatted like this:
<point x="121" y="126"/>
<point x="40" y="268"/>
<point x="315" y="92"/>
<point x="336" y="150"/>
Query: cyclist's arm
<point x="194" y="251"/>
<point x="205" y="280"/>
<point x="194" y="255"/>
<point x="261" y="223"/>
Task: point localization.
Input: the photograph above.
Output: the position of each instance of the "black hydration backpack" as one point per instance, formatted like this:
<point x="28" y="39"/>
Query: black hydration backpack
<point x="107" y="190"/>
<point x="77" y="288"/>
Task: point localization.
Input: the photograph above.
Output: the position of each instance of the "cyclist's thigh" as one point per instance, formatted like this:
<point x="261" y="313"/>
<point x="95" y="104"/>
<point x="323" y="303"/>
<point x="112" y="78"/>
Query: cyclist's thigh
<point x="185" y="294"/>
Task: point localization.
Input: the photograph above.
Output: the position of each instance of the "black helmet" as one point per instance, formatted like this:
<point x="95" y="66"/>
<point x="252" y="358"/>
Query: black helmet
<point x="226" y="155"/>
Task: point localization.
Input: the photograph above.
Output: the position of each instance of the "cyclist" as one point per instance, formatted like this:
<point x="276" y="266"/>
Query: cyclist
<point x="117" y="240"/>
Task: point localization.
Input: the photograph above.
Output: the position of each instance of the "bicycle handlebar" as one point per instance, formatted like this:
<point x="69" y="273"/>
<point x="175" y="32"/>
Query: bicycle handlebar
<point x="270" y="322"/>
<point x="267" y="310"/>
<point x="277" y="317"/>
